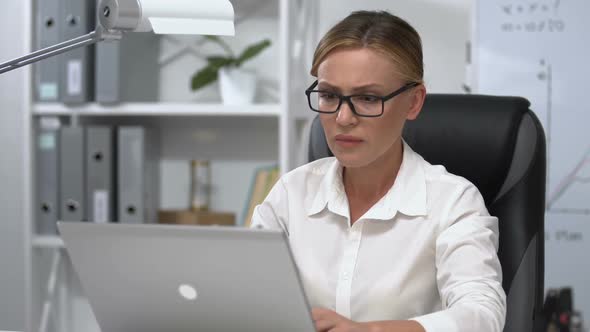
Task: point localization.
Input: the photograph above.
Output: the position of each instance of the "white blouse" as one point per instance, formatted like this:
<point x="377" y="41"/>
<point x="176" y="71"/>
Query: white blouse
<point x="426" y="251"/>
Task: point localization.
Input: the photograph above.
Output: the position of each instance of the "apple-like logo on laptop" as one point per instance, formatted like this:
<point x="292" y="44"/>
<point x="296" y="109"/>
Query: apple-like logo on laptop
<point x="188" y="292"/>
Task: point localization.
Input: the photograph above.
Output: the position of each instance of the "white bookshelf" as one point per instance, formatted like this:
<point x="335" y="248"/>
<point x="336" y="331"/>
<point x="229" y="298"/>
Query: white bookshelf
<point x="47" y="242"/>
<point x="268" y="131"/>
<point x="158" y="109"/>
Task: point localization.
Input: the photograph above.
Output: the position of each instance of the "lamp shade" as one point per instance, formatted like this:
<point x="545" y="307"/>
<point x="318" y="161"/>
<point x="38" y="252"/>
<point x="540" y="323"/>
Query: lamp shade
<point x="197" y="17"/>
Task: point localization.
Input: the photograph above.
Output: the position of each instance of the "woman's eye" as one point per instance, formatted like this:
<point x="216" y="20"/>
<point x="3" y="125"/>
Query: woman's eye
<point x="369" y="99"/>
<point x="327" y="95"/>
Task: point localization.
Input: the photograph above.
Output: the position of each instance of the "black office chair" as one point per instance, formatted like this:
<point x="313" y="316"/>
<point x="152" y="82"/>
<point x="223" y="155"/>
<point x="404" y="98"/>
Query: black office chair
<point x="498" y="144"/>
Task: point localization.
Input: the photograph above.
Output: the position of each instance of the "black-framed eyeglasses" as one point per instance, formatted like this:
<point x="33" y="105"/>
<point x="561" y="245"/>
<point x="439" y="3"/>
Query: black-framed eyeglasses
<point x="366" y="105"/>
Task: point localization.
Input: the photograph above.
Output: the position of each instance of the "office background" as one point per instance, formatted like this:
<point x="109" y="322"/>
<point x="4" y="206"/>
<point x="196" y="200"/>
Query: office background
<point x="445" y="28"/>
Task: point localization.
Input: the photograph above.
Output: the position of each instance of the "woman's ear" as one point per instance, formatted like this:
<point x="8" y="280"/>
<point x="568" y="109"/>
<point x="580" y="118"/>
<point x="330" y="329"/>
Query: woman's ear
<point x="418" y="94"/>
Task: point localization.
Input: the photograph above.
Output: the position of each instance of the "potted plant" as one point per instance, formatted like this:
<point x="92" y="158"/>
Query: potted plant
<point x="237" y="85"/>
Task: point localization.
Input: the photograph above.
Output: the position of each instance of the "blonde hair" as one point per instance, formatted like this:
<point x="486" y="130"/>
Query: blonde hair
<point x="382" y="32"/>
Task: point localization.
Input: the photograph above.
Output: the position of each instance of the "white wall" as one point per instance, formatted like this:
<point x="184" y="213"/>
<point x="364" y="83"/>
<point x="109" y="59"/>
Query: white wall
<point x="12" y="171"/>
<point x="443" y="25"/>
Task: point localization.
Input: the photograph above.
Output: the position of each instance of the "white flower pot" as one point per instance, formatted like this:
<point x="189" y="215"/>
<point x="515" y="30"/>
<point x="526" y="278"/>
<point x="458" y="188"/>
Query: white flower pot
<point x="237" y="86"/>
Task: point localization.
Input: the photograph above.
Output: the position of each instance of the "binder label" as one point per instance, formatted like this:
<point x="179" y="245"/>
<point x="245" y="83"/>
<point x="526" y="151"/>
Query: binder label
<point x="74" y="77"/>
<point x="101" y="206"/>
<point x="49" y="123"/>
<point x="48" y="91"/>
<point x="47" y="141"/>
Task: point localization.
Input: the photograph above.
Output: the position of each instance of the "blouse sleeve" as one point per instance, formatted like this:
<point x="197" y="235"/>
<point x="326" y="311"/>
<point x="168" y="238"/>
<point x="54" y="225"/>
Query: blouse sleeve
<point x="469" y="275"/>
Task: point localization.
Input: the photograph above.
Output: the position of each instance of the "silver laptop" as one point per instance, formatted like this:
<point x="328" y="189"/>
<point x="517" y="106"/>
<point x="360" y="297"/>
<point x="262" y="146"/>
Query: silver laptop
<point x="171" y="278"/>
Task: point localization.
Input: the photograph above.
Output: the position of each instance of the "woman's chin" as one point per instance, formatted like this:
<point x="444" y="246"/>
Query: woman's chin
<point x="351" y="160"/>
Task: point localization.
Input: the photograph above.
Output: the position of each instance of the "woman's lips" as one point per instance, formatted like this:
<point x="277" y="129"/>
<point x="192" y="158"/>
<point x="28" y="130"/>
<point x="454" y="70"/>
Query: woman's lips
<point x="348" y="140"/>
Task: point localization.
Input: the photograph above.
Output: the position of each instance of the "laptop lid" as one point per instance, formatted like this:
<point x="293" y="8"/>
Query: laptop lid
<point x="173" y="278"/>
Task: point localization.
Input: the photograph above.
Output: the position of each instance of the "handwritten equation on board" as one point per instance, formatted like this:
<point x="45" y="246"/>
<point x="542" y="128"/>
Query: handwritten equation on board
<point x="532" y="17"/>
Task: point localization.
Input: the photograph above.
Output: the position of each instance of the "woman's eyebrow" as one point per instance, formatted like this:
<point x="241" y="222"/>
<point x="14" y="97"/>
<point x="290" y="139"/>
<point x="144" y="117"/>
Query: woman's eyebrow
<point x="326" y="85"/>
<point x="367" y="87"/>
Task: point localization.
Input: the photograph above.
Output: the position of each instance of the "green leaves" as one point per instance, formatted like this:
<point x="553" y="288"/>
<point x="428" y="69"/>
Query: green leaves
<point x="213" y="38"/>
<point x="204" y="77"/>
<point x="252" y="51"/>
<point x="220" y="61"/>
<point x="210" y="73"/>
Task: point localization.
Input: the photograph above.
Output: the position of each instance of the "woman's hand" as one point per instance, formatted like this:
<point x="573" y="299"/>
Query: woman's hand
<point x="328" y="320"/>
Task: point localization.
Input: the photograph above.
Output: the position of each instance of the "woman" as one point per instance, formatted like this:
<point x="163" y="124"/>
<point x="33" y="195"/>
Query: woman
<point x="383" y="240"/>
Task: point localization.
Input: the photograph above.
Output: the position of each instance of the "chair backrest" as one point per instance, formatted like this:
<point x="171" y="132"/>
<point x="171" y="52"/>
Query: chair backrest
<point x="498" y="144"/>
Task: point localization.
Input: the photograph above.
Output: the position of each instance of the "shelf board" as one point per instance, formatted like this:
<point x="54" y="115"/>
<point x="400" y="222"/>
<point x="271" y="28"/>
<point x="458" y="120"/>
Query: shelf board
<point x="48" y="241"/>
<point x="156" y="109"/>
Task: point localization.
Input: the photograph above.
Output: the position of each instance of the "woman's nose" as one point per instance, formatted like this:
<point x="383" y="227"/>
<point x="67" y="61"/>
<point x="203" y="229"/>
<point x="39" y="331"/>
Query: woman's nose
<point x="346" y="116"/>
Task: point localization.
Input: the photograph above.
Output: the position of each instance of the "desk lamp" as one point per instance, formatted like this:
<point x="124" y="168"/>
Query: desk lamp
<point x="117" y="17"/>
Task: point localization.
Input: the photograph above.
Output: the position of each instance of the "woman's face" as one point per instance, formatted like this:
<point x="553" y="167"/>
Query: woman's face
<point x="360" y="141"/>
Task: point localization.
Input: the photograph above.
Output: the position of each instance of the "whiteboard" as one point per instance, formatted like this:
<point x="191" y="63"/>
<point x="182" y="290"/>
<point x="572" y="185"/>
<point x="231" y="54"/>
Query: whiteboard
<point x="540" y="50"/>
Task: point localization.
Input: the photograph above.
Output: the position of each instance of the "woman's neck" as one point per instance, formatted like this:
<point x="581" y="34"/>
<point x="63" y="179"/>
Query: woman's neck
<point x="373" y="181"/>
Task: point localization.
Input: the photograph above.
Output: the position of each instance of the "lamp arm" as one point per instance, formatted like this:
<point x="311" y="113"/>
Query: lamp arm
<point x="99" y="34"/>
<point x="119" y="16"/>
